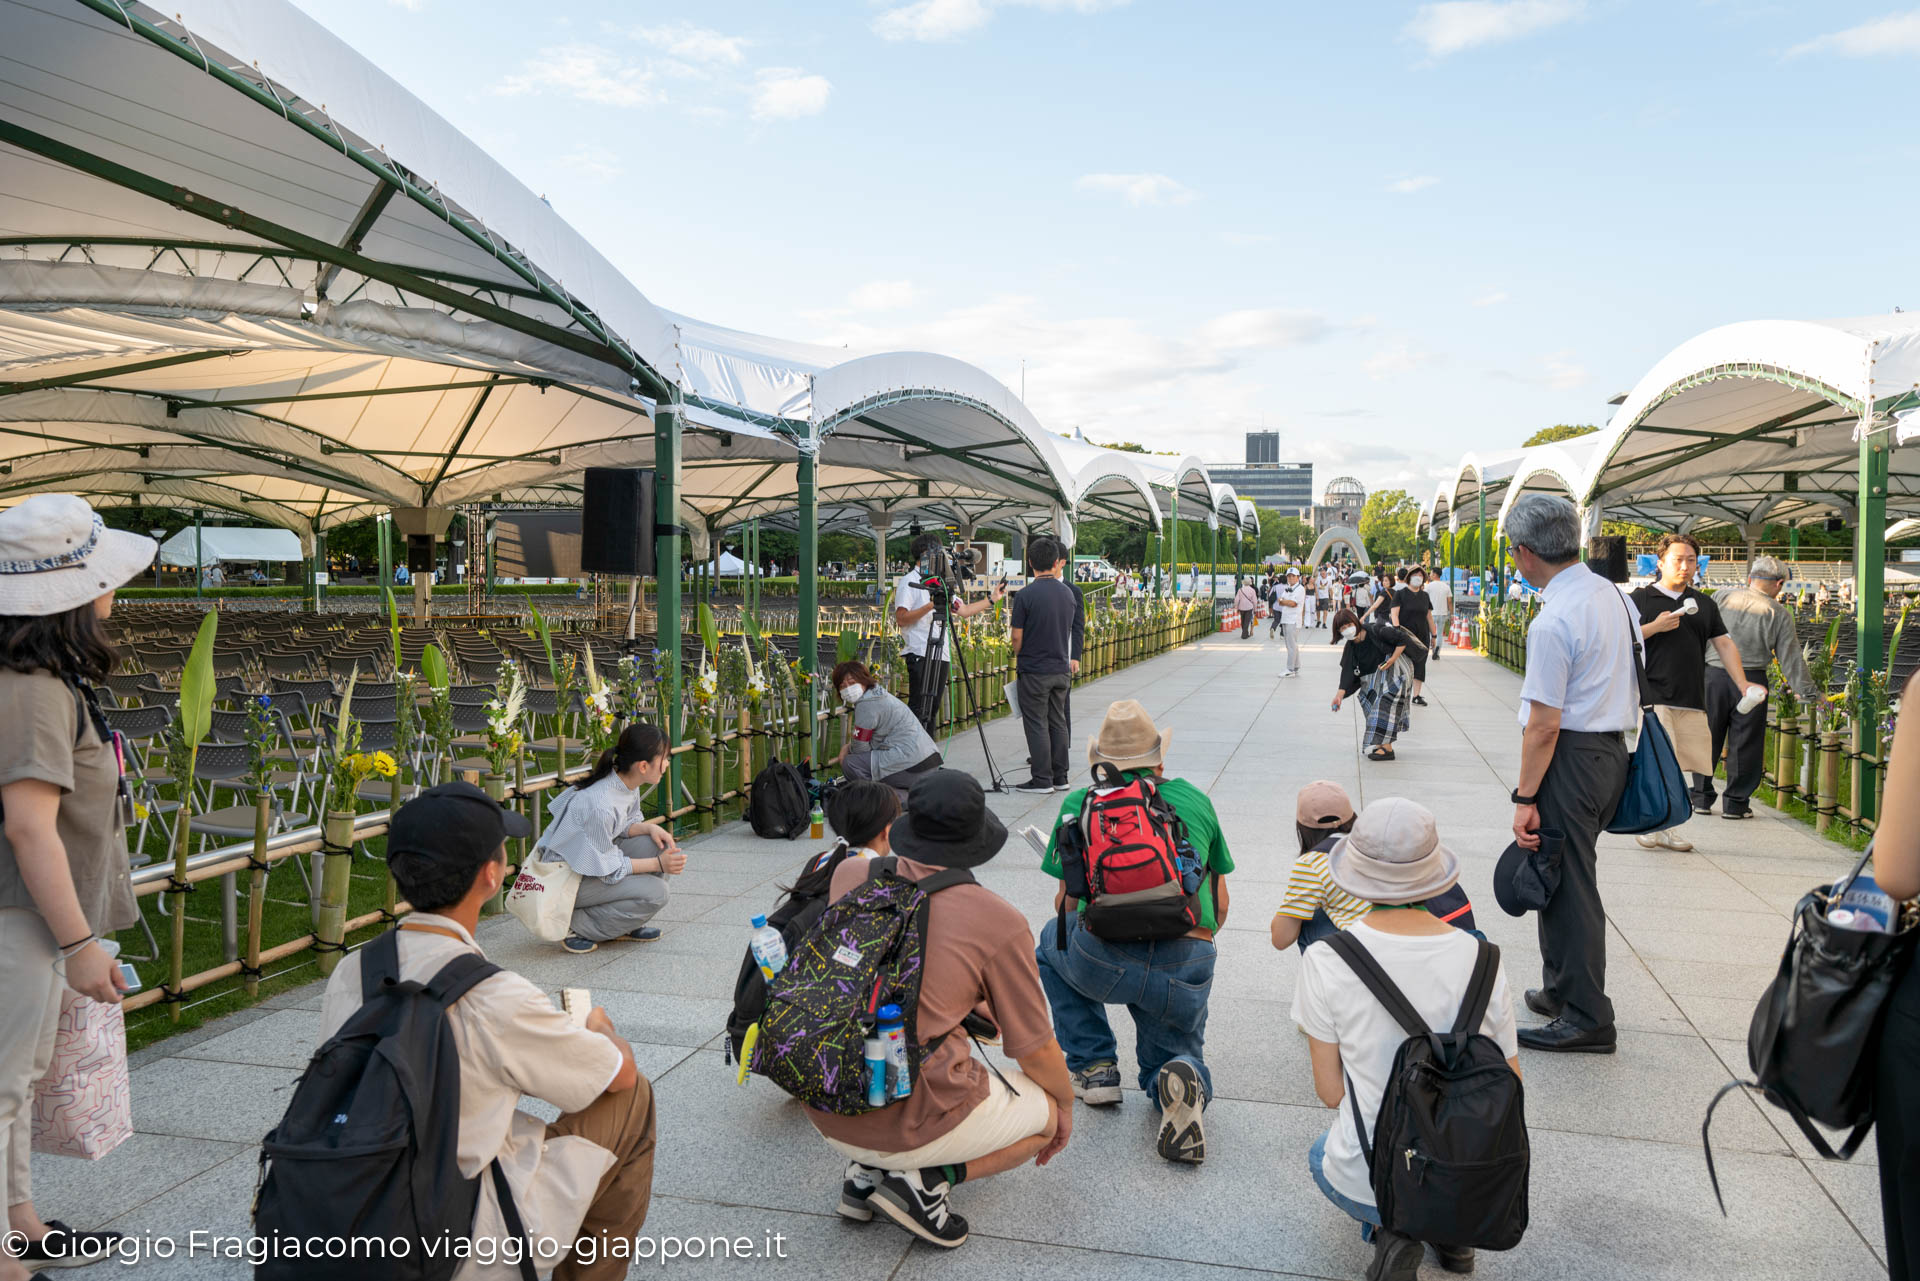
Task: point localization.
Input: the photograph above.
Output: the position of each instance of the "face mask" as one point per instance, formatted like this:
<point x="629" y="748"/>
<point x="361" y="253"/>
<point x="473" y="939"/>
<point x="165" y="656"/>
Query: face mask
<point x="1348" y="633"/>
<point x="1416" y="582"/>
<point x="852" y="694"/>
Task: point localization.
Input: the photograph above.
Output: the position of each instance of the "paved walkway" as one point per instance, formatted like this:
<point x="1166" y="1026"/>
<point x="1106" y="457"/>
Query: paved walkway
<point x="1619" y="1187"/>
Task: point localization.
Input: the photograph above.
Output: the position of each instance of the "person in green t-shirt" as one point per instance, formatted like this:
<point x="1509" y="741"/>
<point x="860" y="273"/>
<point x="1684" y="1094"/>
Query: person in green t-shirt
<point x="1164" y="984"/>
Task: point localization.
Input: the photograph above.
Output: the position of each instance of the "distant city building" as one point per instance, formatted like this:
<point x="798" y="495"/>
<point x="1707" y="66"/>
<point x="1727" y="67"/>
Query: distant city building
<point x="1340" y="506"/>
<point x="1263" y="479"/>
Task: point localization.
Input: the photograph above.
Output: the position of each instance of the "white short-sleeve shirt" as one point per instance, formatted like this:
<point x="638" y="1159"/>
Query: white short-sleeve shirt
<point x="1333" y="1005"/>
<point x="1580" y="654"/>
<point x="909" y="594"/>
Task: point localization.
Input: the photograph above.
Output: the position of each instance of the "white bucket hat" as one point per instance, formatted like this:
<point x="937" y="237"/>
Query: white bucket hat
<point x="1393" y="855"/>
<point x="56" y="555"/>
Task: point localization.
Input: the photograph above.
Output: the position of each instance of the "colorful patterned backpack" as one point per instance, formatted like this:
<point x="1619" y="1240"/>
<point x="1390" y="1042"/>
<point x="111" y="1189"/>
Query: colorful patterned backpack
<point x="867" y="950"/>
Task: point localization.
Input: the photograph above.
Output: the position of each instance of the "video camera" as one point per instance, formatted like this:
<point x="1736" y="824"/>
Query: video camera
<point x="942" y="568"/>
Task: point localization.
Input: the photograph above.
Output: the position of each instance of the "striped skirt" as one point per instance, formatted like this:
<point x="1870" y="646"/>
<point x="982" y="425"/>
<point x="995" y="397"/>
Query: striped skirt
<point x="1385" y="697"/>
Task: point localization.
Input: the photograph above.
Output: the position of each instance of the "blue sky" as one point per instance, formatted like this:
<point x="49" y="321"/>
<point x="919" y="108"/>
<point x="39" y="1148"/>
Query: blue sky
<point x="1391" y="231"/>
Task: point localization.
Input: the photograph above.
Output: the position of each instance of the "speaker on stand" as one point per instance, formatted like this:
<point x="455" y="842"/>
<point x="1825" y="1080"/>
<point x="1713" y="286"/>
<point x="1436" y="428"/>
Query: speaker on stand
<point x="616" y="528"/>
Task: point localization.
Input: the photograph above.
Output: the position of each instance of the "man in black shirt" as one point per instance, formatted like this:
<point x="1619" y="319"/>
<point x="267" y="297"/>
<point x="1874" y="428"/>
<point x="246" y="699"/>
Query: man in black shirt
<point x="1047" y="626"/>
<point x="1413" y="614"/>
<point x="1677" y="623"/>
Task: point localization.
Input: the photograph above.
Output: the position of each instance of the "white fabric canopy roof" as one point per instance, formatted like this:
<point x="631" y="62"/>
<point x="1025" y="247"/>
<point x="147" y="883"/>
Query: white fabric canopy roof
<point x="225" y="542"/>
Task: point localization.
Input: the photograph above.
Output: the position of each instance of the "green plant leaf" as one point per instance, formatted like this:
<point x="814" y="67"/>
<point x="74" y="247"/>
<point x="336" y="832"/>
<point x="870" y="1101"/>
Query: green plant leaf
<point x="434" y="664"/>
<point x="393" y="625"/>
<point x="749" y="624"/>
<point x="197" y="684"/>
<point x="545" y="634"/>
<point x="709" y="631"/>
<point x="849" y="647"/>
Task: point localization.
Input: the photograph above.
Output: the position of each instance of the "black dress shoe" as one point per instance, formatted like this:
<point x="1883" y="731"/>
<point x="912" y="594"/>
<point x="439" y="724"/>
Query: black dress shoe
<point x="1563" y="1037"/>
<point x="1455" y="1258"/>
<point x="1539" y="1004"/>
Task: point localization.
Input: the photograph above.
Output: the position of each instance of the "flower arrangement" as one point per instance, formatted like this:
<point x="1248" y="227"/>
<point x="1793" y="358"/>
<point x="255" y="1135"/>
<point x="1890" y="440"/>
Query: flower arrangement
<point x="260" y="736"/>
<point x="602" y="725"/>
<point x="439" y="712"/>
<point x="406" y="709"/>
<point x="504" y="739"/>
<point x="352" y="767"/>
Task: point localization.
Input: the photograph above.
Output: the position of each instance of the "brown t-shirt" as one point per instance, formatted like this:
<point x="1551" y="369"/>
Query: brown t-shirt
<point x="42" y="716"/>
<point x="979" y="955"/>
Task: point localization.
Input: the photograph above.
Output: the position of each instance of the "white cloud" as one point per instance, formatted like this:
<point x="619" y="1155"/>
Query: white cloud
<point x="592" y="162"/>
<point x="1557" y="370"/>
<point x="1137" y="188"/>
<point x="934" y="20"/>
<point x="699" y="44"/>
<point x="1264" y="328"/>
<point x="1397" y="358"/>
<point x="883" y="295"/>
<point x="1246" y="239"/>
<point x="1465" y="24"/>
<point x="1895" y="33"/>
<point x="1491" y="298"/>
<point x="588" y="73"/>
<point x="787" y="93"/>
<point x="411" y="6"/>
<point x="1407" y="186"/>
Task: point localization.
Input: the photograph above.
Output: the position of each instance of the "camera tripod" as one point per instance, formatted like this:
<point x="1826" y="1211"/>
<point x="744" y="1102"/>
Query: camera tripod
<point x="938" y="626"/>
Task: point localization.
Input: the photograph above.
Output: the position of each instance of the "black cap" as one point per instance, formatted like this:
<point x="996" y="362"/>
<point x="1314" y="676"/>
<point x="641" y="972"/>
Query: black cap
<point x="453" y="820"/>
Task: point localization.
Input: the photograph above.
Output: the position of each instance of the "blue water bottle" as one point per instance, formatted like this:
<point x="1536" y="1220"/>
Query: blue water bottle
<point x="893" y="1031"/>
<point x="876" y="1055"/>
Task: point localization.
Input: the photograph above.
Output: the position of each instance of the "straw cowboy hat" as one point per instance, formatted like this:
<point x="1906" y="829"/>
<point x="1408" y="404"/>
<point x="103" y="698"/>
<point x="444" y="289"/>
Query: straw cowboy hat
<point x="1128" y="738"/>
<point x="56" y="555"/>
<point x="1393" y="855"/>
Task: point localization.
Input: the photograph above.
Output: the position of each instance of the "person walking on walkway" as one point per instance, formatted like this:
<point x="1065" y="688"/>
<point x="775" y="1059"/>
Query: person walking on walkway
<point x="1678" y="622"/>
<point x="1577" y="700"/>
<point x="598" y="827"/>
<point x="1896" y="1100"/>
<point x="1762" y="630"/>
<point x="1375" y="666"/>
<point x="1413" y="614"/>
<point x="1164" y="984"/>
<point x="1393" y="859"/>
<point x="1246" y="600"/>
<point x="1047" y="627"/>
<point x="1289" y="606"/>
<point x="1322" y="596"/>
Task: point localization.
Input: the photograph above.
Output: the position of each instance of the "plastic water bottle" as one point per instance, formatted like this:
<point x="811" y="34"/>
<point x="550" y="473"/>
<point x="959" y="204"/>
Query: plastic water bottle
<point x="1755" y="695"/>
<point x="876" y="1055"/>
<point x="1865" y="907"/>
<point x="769" y="949"/>
<point x="893" y="1031"/>
<point x="817" y="822"/>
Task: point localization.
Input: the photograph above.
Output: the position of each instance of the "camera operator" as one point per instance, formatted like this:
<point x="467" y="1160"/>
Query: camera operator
<point x="913" y="609"/>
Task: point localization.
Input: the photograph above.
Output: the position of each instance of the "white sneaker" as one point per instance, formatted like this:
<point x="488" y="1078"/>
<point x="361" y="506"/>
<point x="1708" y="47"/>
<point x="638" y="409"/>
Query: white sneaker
<point x="1284" y="675"/>
<point x="1663" y="841"/>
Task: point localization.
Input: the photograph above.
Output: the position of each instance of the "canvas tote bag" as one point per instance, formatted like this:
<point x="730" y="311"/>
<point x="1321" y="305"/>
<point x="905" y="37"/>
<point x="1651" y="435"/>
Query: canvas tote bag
<point x="1692" y="740"/>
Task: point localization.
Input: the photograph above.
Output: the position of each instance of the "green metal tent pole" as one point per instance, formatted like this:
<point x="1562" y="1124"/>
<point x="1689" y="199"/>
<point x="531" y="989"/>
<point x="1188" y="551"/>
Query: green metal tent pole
<point x="1213" y="562"/>
<point x="199" y="565"/>
<point x="1239" y="559"/>
<point x="808" y="536"/>
<point x="1869" y="597"/>
<point x="1793" y="543"/>
<point x="1173" y="548"/>
<point x="667" y="422"/>
<point x="383" y="527"/>
<point x="1486" y="549"/>
<point x="319" y="570"/>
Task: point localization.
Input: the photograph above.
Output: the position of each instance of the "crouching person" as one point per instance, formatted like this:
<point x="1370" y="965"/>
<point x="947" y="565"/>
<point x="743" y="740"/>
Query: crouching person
<point x="960" y="1119"/>
<point x="584" y="1181"/>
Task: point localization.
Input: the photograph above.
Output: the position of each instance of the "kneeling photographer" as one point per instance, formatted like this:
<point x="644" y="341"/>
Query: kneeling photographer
<point x="920" y="594"/>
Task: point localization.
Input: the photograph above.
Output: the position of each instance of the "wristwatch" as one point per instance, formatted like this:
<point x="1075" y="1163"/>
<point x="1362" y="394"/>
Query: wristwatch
<point x="1525" y="800"/>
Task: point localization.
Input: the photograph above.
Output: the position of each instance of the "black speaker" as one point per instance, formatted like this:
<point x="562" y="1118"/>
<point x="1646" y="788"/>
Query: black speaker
<point x="1607" y="556"/>
<point x="419" y="553"/>
<point x="1835" y="525"/>
<point x="616" y="523"/>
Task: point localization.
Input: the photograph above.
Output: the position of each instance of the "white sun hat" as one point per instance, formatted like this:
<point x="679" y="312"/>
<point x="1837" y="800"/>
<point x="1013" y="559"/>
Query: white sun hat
<point x="56" y="555"/>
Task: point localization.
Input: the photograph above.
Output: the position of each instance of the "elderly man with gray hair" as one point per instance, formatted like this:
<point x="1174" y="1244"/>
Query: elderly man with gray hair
<point x="1761" y="628"/>
<point x="1579" y="697"/>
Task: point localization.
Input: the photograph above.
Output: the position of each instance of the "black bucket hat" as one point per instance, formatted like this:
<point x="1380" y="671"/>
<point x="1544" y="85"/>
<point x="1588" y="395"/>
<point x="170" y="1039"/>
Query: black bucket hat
<point x="947" y="822"/>
<point x="1525" y="880"/>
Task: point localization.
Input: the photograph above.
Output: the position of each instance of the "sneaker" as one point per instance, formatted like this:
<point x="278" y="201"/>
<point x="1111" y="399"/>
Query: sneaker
<point x="645" y="934"/>
<point x="1035" y="785"/>
<point x="1097" y="1084"/>
<point x="1663" y="841"/>
<point x="902" y="1196"/>
<point x="1182" y="1102"/>
<point x="1395" y="1258"/>
<point x="1727" y="813"/>
<point x="1698" y="808"/>
<point x="577" y="945"/>
<point x="1294" y="672"/>
<point x="1062" y="785"/>
<point x="856" y="1192"/>
<point x="1419" y="700"/>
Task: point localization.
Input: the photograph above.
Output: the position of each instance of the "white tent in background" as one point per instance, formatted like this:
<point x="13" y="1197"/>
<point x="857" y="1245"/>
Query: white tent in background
<point x="732" y="566"/>
<point x="229" y="543"/>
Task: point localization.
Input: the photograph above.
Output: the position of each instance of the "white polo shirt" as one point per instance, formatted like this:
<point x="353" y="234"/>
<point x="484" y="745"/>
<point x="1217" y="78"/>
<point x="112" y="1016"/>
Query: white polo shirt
<point x="1580" y="654"/>
<point x="909" y="594"/>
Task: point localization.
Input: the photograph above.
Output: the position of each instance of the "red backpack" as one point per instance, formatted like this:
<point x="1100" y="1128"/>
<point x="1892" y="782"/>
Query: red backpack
<point x="1127" y="855"/>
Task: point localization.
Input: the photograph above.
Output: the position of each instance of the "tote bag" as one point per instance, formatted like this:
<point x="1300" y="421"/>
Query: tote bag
<point x="542" y="896"/>
<point x="83" y="1106"/>
<point x="1655" y="797"/>
<point x="1691" y="736"/>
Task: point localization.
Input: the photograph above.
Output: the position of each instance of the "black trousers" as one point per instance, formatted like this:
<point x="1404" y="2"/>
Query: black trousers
<point x="1897" y="1128"/>
<point x="1743" y="735"/>
<point x="1043" y="714"/>
<point x="1578" y="796"/>
<point x="926" y="690"/>
<point x="1246" y="623"/>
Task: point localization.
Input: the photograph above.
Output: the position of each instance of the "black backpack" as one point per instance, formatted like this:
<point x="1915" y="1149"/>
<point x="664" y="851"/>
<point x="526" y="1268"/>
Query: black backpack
<point x="369" y="1145"/>
<point x="778" y="805"/>
<point x="1449" y="1153"/>
<point x="793" y="917"/>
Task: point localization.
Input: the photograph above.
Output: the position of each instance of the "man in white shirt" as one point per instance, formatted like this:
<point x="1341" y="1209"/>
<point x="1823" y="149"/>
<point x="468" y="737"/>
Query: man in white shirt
<point x="1289" y="603"/>
<point x="583" y="1181"/>
<point x="1440" y="592"/>
<point x="913" y="609"/>
<point x="1579" y="696"/>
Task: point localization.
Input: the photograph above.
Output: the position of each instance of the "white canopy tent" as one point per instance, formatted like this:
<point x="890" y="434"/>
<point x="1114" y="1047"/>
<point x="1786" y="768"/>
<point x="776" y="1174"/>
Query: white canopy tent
<point x="210" y="544"/>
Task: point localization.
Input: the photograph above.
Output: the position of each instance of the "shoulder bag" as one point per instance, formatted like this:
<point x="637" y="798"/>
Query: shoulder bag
<point x="1655" y="797"/>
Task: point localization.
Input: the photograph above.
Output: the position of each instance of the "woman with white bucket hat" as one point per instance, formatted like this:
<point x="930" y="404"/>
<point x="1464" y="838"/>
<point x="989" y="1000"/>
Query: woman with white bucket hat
<point x="64" y="875"/>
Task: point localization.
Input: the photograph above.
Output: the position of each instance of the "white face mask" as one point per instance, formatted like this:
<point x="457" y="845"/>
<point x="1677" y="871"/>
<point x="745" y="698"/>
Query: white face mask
<point x="851" y="694"/>
<point x="1349" y="632"/>
<point x="1416" y="582"/>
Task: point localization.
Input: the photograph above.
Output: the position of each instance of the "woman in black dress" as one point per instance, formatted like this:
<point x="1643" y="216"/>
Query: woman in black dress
<point x="1413" y="614"/>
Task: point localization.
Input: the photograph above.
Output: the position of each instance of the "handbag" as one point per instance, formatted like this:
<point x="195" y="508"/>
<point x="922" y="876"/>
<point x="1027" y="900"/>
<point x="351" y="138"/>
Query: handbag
<point x="1814" y="1038"/>
<point x="542" y="896"/>
<point x="1655" y="797"/>
<point x="83" y="1106"/>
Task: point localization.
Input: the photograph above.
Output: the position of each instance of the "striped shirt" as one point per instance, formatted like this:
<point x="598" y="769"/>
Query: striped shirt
<point x="1311" y="887"/>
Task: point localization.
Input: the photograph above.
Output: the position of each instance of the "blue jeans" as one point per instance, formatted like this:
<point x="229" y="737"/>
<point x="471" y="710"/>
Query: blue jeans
<point x="1164" y="985"/>
<point x="1368" y="1216"/>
